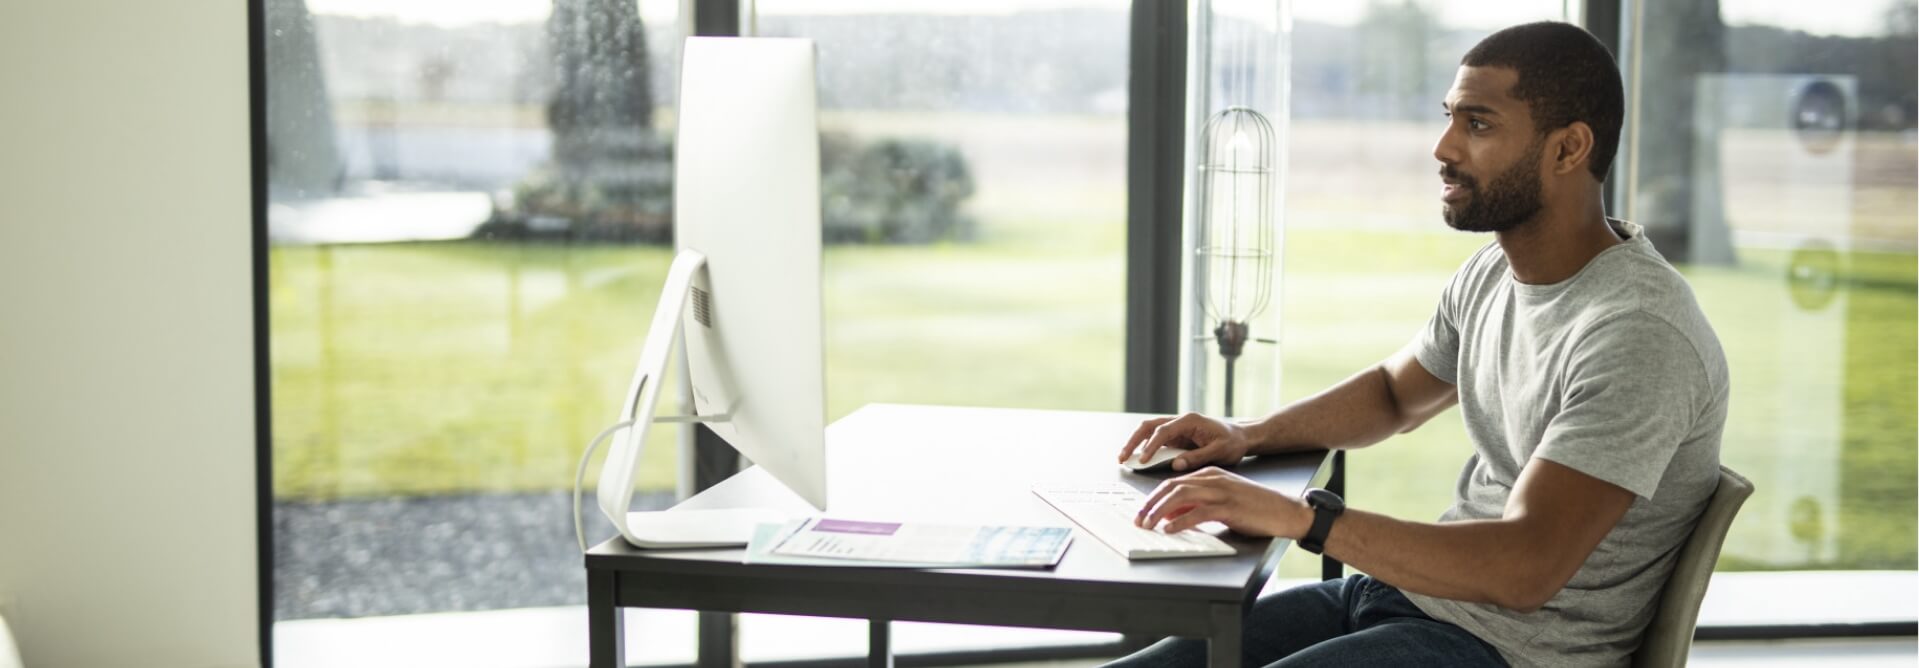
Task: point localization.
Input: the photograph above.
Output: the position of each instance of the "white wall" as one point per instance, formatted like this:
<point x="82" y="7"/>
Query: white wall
<point x="126" y="430"/>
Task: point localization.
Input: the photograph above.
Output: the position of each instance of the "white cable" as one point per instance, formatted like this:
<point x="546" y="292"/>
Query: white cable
<point x="579" y="481"/>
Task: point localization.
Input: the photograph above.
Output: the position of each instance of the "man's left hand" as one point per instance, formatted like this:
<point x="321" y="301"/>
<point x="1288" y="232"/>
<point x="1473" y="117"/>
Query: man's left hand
<point x="1215" y="495"/>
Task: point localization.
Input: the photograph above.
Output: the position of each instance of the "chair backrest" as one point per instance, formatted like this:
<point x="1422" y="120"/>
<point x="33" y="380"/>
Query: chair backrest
<point x="9" y="655"/>
<point x="1668" y="638"/>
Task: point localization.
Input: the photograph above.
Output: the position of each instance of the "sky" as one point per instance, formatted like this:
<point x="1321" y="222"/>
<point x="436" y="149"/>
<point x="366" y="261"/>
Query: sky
<point x="1832" y="17"/>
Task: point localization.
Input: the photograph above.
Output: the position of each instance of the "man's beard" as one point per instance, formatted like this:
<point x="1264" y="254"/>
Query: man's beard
<point x="1511" y="199"/>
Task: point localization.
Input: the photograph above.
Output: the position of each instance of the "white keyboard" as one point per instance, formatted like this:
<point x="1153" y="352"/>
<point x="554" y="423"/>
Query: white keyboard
<point x="1106" y="510"/>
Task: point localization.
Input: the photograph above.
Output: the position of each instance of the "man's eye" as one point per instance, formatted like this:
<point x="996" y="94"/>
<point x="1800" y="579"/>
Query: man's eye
<point x="1477" y="124"/>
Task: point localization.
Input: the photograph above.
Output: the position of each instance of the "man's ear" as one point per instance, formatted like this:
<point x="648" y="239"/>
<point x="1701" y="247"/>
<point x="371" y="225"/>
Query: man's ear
<point x="1572" y="148"/>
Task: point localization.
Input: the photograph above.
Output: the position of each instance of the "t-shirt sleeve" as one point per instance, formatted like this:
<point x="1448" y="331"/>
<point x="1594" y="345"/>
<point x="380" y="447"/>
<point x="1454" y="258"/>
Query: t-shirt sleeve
<point x="1437" y="346"/>
<point x="1634" y="387"/>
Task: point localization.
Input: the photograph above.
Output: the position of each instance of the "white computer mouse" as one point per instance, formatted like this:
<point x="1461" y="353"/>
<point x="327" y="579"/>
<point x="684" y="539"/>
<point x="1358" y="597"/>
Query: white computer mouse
<point x="1162" y="461"/>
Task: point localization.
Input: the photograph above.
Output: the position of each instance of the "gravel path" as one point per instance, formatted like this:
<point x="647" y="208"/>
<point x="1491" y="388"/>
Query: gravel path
<point x="402" y="556"/>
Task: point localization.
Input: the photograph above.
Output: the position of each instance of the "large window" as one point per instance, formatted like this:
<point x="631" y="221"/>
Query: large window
<point x="975" y="194"/>
<point x="469" y="209"/>
<point x="470" y="216"/>
<point x="1771" y="155"/>
<point x="1366" y="253"/>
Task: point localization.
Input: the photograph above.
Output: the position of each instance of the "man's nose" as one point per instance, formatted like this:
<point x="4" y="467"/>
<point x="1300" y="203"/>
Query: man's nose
<point x="1446" y="150"/>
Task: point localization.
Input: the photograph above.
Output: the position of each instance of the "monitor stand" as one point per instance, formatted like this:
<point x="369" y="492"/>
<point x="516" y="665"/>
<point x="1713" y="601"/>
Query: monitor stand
<point x="712" y="527"/>
<point x="677" y="527"/>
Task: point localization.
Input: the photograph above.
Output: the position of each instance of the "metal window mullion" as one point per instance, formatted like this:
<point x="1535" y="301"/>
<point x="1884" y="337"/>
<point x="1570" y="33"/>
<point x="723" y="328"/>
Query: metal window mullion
<point x="1603" y="18"/>
<point x="712" y="460"/>
<point x="262" y="326"/>
<point x="1155" y="157"/>
<point x="716" y="18"/>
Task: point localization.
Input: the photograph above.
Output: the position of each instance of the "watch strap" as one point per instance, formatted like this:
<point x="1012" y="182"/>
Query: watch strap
<point x="1323" y="515"/>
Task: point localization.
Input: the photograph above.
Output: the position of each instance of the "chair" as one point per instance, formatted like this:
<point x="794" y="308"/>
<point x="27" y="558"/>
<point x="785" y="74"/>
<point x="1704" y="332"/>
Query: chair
<point x="9" y="655"/>
<point x="1668" y="638"/>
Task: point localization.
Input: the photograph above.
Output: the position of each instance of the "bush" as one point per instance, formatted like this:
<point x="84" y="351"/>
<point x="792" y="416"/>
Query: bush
<point x="894" y="191"/>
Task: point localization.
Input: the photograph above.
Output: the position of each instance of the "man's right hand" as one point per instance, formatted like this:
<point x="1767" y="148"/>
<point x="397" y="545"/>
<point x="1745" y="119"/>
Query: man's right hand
<point x="1211" y="440"/>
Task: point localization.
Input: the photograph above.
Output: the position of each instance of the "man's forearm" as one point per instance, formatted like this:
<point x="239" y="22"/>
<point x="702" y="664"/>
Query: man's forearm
<point x="1554" y="519"/>
<point x="1482" y="561"/>
<point x="1358" y="412"/>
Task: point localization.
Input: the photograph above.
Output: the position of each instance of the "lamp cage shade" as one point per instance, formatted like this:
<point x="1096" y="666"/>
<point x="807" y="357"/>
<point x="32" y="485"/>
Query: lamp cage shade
<point x="1235" y="253"/>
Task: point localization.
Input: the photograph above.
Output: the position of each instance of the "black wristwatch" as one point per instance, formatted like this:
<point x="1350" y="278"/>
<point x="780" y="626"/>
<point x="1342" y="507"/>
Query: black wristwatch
<point x="1326" y="507"/>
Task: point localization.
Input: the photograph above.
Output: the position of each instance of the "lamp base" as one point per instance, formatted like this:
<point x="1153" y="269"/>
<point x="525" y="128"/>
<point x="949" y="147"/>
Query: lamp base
<point x="1232" y="341"/>
<point x="1232" y="338"/>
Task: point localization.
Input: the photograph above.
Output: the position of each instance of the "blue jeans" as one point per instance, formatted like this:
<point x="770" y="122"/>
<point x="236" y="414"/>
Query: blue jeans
<point x="1357" y="621"/>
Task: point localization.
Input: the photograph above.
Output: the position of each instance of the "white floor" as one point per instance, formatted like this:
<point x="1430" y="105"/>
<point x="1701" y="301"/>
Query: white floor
<point x="1860" y="653"/>
<point x="1875" y="653"/>
<point x="550" y="637"/>
<point x="545" y="637"/>
<point x="1810" y="597"/>
<point x="1824" y="654"/>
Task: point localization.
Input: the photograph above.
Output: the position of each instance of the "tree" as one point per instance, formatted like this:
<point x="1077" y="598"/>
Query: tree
<point x="1394" y="39"/>
<point x="599" y="61"/>
<point x="611" y="173"/>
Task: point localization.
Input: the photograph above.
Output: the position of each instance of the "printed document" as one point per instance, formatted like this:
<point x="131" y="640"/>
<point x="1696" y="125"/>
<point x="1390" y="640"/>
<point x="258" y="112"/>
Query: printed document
<point x="926" y="545"/>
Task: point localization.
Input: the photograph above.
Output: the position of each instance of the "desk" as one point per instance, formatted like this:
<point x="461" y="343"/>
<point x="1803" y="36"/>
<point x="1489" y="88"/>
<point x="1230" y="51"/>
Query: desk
<point x="958" y="465"/>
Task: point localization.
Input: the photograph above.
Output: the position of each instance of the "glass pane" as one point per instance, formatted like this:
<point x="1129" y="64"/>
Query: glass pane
<point x="1366" y="253"/>
<point x="974" y="191"/>
<point x="1773" y="160"/>
<point x="1236" y="197"/>
<point x="469" y="225"/>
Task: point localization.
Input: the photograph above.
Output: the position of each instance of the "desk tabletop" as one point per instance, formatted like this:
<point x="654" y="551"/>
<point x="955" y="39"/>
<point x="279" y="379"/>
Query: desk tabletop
<point x="978" y="466"/>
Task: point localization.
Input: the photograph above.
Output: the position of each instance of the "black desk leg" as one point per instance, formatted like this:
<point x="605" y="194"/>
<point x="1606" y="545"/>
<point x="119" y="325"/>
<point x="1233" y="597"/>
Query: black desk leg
<point x="605" y="621"/>
<point x="719" y="640"/>
<point x="879" y="644"/>
<point x="1222" y="649"/>
<point x="1330" y="568"/>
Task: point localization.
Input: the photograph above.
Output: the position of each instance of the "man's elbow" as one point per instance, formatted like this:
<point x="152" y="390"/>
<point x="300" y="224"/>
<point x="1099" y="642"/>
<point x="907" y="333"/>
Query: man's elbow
<point x="1524" y="599"/>
<point x="1408" y="422"/>
<point x="1530" y="589"/>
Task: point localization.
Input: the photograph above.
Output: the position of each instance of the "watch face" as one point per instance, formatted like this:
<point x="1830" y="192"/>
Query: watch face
<point x="1319" y="498"/>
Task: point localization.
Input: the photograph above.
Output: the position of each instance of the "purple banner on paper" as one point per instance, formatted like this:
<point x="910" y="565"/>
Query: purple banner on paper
<point x="850" y="526"/>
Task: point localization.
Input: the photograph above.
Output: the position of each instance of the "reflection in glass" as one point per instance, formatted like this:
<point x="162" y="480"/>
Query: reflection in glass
<point x="1773" y="158"/>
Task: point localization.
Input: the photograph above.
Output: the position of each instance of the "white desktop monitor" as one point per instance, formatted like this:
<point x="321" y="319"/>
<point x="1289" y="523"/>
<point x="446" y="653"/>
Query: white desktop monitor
<point x="744" y="288"/>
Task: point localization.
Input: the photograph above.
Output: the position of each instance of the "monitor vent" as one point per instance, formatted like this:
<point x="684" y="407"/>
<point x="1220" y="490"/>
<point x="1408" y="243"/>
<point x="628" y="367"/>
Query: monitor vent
<point x="703" y="308"/>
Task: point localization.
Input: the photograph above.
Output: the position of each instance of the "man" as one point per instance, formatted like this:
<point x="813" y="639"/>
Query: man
<point x="1591" y="385"/>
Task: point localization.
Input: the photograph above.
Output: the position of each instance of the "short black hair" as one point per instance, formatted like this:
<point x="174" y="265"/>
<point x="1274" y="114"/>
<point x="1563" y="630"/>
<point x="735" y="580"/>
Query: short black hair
<point x="1565" y="75"/>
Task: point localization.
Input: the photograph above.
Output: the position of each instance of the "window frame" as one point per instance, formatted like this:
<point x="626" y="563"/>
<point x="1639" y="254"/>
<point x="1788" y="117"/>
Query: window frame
<point x="1156" y="128"/>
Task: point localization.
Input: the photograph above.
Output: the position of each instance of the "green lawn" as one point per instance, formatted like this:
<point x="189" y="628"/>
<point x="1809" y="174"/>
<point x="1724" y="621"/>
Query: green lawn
<point x="494" y="372"/>
<point x="459" y="367"/>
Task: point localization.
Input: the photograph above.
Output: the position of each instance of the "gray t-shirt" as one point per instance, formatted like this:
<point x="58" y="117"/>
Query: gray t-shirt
<point x="1614" y="373"/>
